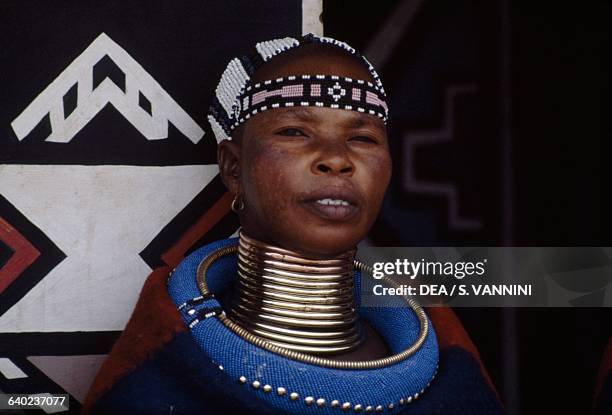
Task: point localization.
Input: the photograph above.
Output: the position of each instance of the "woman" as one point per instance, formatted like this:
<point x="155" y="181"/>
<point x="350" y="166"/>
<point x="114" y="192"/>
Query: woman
<point x="270" y="323"/>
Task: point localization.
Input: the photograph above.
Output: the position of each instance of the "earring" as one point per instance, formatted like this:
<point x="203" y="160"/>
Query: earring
<point x="237" y="204"/>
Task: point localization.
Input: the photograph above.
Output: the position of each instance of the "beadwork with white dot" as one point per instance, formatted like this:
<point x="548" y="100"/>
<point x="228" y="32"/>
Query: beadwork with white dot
<point x="346" y="406"/>
<point x="321" y="91"/>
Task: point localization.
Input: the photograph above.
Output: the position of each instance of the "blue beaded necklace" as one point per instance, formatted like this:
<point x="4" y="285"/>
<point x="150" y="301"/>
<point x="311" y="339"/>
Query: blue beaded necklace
<point x="295" y="387"/>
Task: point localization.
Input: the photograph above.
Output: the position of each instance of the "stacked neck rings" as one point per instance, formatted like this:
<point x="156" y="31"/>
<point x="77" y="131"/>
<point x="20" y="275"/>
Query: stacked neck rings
<point x="296" y="303"/>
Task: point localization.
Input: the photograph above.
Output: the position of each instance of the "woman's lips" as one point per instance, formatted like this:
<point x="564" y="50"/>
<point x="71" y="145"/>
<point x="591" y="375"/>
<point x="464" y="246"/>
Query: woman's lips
<point x="332" y="208"/>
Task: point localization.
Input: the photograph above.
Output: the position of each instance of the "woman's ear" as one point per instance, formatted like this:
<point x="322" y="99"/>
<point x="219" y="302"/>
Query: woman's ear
<point x="228" y="156"/>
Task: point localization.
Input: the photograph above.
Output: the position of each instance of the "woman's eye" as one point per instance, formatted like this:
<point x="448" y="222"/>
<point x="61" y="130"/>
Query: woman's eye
<point x="363" y="139"/>
<point x="291" y="132"/>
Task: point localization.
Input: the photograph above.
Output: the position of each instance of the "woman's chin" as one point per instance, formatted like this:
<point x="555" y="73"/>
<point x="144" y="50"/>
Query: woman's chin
<point x="309" y="238"/>
<point x="323" y="244"/>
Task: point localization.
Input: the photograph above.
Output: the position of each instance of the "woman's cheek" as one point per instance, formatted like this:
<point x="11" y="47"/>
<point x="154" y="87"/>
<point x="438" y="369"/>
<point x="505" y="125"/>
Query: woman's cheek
<point x="377" y="177"/>
<point x="380" y="167"/>
<point x="267" y="187"/>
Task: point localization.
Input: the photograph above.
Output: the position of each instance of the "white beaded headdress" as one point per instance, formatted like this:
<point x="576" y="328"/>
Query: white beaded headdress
<point x="237" y="99"/>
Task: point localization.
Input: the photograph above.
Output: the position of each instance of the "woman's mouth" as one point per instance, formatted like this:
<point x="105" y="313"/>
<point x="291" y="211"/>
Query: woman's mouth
<point x="332" y="208"/>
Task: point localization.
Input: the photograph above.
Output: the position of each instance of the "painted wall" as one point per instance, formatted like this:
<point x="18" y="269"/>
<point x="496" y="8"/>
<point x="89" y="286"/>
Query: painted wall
<point x="107" y="165"/>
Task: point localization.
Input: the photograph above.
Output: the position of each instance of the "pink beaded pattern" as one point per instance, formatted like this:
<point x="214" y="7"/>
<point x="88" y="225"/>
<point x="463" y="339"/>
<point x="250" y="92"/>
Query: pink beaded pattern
<point x="311" y="90"/>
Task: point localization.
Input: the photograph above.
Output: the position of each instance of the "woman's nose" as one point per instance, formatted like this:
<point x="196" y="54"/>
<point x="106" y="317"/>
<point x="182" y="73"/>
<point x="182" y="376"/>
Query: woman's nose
<point x="334" y="159"/>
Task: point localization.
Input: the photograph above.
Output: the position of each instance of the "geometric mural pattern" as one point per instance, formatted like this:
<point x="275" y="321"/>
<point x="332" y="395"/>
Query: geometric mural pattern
<point x="107" y="167"/>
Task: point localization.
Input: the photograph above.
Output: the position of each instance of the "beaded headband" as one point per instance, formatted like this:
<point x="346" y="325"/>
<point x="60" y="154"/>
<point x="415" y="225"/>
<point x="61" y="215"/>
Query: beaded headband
<point x="236" y="99"/>
<point x="310" y="90"/>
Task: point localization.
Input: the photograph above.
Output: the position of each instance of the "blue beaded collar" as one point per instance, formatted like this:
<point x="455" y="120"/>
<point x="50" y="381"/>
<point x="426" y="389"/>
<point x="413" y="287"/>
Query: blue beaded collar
<point x="295" y="387"/>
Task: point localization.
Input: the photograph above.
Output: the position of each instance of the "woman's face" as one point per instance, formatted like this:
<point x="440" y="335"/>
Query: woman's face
<point x="312" y="179"/>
